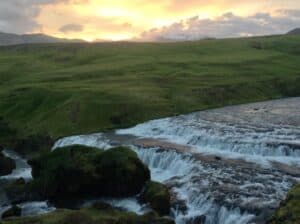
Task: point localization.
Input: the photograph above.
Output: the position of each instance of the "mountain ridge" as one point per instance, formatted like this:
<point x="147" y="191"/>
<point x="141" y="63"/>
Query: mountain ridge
<point x="295" y="31"/>
<point x="15" y="39"/>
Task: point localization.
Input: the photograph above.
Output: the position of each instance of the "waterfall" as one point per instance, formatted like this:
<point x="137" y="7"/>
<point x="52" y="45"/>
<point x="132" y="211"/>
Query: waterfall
<point x="198" y="184"/>
<point x="259" y="144"/>
<point x="215" y="191"/>
<point x="255" y="150"/>
<point x="94" y="140"/>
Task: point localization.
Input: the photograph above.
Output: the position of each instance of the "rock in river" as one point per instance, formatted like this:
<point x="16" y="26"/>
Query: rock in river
<point x="84" y="171"/>
<point x="7" y="165"/>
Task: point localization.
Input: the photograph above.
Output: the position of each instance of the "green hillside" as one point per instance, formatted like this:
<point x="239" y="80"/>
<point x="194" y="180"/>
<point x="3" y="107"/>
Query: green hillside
<point x="65" y="89"/>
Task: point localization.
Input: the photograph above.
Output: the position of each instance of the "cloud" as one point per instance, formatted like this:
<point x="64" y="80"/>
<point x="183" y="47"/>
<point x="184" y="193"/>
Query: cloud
<point x="19" y="16"/>
<point x="227" y="25"/>
<point x="69" y="28"/>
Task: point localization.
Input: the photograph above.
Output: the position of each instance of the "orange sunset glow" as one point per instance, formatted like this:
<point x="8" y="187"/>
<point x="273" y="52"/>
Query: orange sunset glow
<point x="122" y="19"/>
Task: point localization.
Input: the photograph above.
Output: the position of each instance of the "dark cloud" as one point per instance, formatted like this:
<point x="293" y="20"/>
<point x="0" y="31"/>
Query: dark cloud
<point x="227" y="25"/>
<point x="69" y="28"/>
<point x="19" y="16"/>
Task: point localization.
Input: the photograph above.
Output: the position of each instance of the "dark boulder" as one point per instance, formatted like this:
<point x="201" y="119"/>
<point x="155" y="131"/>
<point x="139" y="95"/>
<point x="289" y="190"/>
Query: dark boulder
<point x="102" y="206"/>
<point x="33" y="144"/>
<point x="14" y="211"/>
<point x="79" y="171"/>
<point x="19" y="191"/>
<point x="197" y="220"/>
<point x="158" y="197"/>
<point x="7" y="165"/>
<point x="153" y="218"/>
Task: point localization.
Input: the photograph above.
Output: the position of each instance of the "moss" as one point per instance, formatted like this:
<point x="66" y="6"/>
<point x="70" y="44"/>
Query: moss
<point x="32" y="145"/>
<point x="121" y="170"/>
<point x="84" y="171"/>
<point x="20" y="191"/>
<point x="91" y="216"/>
<point x="158" y="197"/>
<point x="289" y="210"/>
<point x="6" y="165"/>
<point x="14" y="211"/>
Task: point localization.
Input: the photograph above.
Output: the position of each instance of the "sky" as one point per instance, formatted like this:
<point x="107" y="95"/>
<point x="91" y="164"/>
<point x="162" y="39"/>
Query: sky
<point x="149" y="20"/>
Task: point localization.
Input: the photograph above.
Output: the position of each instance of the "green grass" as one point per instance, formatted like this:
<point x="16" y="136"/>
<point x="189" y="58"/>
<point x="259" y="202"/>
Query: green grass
<point x="65" y="89"/>
<point x="289" y="210"/>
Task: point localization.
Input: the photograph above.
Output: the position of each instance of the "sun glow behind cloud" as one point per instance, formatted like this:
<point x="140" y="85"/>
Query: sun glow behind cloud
<point x="120" y="20"/>
<point x="124" y="19"/>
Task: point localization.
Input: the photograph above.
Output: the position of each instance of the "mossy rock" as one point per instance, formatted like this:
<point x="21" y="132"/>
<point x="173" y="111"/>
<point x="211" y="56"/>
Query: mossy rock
<point x="91" y="216"/>
<point x="158" y="197"/>
<point x="84" y="171"/>
<point x="7" y="165"/>
<point x="14" y="211"/>
<point x="102" y="206"/>
<point x="26" y="145"/>
<point x="32" y="145"/>
<point x="289" y="210"/>
<point x="21" y="191"/>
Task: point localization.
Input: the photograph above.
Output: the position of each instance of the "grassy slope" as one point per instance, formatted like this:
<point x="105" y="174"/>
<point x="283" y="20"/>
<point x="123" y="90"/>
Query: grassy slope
<point x="65" y="89"/>
<point x="289" y="211"/>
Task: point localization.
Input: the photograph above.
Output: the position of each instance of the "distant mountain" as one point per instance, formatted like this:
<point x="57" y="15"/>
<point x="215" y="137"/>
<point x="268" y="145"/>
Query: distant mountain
<point x="14" y="39"/>
<point x="294" y="32"/>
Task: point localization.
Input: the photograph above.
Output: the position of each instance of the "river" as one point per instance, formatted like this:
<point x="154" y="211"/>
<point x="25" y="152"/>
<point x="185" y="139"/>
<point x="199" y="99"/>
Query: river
<point x="232" y="165"/>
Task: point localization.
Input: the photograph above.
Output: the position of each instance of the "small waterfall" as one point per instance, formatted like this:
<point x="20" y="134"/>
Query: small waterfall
<point x="219" y="192"/>
<point x="94" y="140"/>
<point x="260" y="144"/>
<point x="183" y="174"/>
<point x="23" y="170"/>
<point x="165" y="164"/>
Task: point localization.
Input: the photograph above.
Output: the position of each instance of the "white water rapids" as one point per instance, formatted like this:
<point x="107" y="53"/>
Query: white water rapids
<point x="226" y="166"/>
<point x="22" y="170"/>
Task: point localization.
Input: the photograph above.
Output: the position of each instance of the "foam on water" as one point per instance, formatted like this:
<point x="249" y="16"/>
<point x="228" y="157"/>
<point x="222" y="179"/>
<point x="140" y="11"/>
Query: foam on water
<point x="22" y="170"/>
<point x="126" y="204"/>
<point x="31" y="208"/>
<point x="198" y="184"/>
<point x="223" y="194"/>
<point x="36" y="208"/>
<point x="94" y="140"/>
<point x="259" y="144"/>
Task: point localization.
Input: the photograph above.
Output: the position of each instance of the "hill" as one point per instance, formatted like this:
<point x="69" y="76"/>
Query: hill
<point x="14" y="39"/>
<point x="65" y="89"/>
<point x="294" y="32"/>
